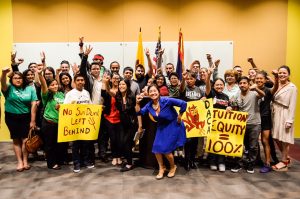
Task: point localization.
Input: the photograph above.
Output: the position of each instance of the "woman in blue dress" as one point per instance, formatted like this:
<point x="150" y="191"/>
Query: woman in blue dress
<point x="170" y="132"/>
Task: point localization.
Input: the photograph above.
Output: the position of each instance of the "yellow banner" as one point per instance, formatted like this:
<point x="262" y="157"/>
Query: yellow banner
<point x="227" y="133"/>
<point x="197" y="118"/>
<point x="79" y="122"/>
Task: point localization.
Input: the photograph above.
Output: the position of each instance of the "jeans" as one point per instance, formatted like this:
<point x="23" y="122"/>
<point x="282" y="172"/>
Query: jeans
<point x="251" y="142"/>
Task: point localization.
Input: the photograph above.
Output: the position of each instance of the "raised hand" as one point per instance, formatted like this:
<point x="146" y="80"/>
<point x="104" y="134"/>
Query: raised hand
<point x="6" y="70"/>
<point x="43" y="56"/>
<point x="81" y="40"/>
<point x="275" y="73"/>
<point x="13" y="56"/>
<point x="20" y="61"/>
<point x="58" y="71"/>
<point x="88" y="49"/>
<point x="250" y="59"/>
<point x="184" y="75"/>
<point x="161" y="51"/>
<point x="208" y="56"/>
<point x="75" y="68"/>
<point x="147" y="52"/>
<point x="139" y="97"/>
<point x="217" y="62"/>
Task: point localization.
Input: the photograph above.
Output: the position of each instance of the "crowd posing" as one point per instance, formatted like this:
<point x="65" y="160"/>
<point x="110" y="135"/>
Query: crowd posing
<point x="143" y="102"/>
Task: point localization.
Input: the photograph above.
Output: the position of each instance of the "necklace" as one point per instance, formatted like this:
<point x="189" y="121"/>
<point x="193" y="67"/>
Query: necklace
<point x="155" y="107"/>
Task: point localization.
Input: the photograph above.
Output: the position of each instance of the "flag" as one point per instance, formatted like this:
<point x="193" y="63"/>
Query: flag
<point x="180" y="60"/>
<point x="140" y="53"/>
<point x="158" y="47"/>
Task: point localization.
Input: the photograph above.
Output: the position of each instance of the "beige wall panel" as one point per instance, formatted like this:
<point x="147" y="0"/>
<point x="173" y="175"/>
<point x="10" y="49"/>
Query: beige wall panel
<point x="149" y="15"/>
<point x="260" y="32"/>
<point x="40" y="21"/>
<point x="96" y="20"/>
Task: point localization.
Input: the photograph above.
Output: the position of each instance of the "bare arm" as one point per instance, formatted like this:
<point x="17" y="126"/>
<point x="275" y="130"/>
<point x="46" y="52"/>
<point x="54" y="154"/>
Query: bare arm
<point x="44" y="87"/>
<point x="150" y="64"/>
<point x="260" y="93"/>
<point x="182" y="85"/>
<point x="251" y="61"/>
<point x="207" y="83"/>
<point x="33" y="114"/>
<point x="276" y="82"/>
<point x="4" y="86"/>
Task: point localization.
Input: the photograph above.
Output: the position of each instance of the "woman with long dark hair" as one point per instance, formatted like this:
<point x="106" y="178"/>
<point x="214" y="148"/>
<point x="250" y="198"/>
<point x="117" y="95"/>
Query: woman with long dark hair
<point x="170" y="133"/>
<point x="125" y="103"/>
<point x="20" y="109"/>
<point x="51" y="99"/>
<point x="65" y="82"/>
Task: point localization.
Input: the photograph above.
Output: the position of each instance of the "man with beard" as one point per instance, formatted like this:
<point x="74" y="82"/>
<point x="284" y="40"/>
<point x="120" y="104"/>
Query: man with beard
<point x="141" y="78"/>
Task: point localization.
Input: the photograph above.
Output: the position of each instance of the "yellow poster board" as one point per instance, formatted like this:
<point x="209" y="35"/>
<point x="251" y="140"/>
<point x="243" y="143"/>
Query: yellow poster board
<point x="79" y="122"/>
<point x="227" y="133"/>
<point x="197" y="118"/>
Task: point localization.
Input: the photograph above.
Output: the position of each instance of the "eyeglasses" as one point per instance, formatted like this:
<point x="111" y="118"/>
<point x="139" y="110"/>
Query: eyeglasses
<point x="17" y="78"/>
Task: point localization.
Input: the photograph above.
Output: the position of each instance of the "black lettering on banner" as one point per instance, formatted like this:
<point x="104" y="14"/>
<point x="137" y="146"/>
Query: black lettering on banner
<point x="67" y="112"/>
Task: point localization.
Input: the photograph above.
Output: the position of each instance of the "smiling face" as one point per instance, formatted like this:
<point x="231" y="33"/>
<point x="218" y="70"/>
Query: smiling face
<point x="153" y="92"/>
<point x="160" y="81"/>
<point x="174" y="80"/>
<point x="65" y="80"/>
<point x="115" y="79"/>
<point x="219" y="86"/>
<point x="65" y="68"/>
<point x="283" y="75"/>
<point x="53" y="87"/>
<point x="190" y="81"/>
<point x="122" y="86"/>
<point x="260" y="80"/>
<point x="30" y="76"/>
<point x="252" y="74"/>
<point x="203" y="74"/>
<point x="230" y="79"/>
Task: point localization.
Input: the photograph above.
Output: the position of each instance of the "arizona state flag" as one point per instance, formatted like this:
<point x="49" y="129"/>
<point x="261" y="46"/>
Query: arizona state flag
<point x="180" y="60"/>
<point x="140" y="52"/>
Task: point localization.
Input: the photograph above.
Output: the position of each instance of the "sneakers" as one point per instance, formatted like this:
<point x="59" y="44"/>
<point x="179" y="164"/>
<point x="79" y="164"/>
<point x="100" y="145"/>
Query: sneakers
<point x="236" y="169"/>
<point x="265" y="169"/>
<point x="213" y="167"/>
<point x="250" y="169"/>
<point x="89" y="165"/>
<point x="222" y="167"/>
<point x="76" y="168"/>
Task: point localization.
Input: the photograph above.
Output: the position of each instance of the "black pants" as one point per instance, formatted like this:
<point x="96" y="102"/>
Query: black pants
<point x="54" y="151"/>
<point x="102" y="138"/>
<point x="127" y="135"/>
<point x="80" y="152"/>
<point x="190" y="149"/>
<point x="115" y="131"/>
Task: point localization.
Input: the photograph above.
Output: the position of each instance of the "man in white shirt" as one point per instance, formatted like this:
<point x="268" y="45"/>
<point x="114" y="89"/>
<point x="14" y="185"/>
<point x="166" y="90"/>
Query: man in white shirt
<point x="80" y="148"/>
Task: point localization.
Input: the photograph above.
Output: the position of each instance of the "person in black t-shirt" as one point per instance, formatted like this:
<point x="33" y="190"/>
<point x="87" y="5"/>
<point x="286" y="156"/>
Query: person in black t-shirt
<point x="266" y="120"/>
<point x="220" y="101"/>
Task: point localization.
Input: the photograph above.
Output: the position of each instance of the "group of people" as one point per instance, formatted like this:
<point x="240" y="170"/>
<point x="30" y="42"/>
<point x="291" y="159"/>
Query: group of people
<point x="143" y="102"/>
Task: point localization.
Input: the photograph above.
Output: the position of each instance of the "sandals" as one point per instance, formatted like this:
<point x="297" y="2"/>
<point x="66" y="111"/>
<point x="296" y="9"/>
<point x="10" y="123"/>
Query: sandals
<point x="160" y="174"/>
<point x="281" y="166"/>
<point x="172" y="171"/>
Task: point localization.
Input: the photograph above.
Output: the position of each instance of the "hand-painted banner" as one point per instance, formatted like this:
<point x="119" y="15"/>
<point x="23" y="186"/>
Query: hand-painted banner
<point x="79" y="122"/>
<point x="227" y="133"/>
<point x="197" y="118"/>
